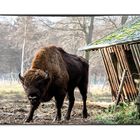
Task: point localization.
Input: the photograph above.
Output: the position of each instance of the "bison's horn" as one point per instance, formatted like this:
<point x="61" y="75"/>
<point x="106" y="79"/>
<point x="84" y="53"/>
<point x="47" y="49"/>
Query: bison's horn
<point x="46" y="76"/>
<point x="21" y="78"/>
<point x="32" y="98"/>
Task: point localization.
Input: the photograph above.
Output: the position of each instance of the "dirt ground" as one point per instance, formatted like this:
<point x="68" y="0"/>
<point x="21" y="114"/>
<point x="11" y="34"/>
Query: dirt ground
<point x="14" y="108"/>
<point x="15" y="112"/>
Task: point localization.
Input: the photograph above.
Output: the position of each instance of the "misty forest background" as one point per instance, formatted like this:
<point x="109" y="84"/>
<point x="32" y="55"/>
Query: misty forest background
<point x="21" y="36"/>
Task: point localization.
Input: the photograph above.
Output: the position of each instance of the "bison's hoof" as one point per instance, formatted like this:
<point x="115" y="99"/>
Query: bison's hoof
<point x="57" y="119"/>
<point x="28" y="120"/>
<point x="67" y="118"/>
<point x="85" y="115"/>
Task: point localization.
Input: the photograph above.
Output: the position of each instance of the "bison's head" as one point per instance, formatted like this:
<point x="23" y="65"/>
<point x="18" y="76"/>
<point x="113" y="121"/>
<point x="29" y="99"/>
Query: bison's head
<point x="34" y="82"/>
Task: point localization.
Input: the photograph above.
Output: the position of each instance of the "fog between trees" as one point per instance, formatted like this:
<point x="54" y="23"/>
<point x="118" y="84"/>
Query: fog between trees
<point x="26" y="34"/>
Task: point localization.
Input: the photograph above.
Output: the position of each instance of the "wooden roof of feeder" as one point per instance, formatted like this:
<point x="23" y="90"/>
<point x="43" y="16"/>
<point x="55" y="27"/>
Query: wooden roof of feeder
<point x="126" y="34"/>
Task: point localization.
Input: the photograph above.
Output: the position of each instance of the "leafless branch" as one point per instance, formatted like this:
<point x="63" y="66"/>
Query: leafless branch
<point x="61" y="28"/>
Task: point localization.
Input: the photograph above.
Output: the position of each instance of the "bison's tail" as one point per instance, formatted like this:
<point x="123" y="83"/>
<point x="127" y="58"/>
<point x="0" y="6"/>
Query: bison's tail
<point x="85" y="62"/>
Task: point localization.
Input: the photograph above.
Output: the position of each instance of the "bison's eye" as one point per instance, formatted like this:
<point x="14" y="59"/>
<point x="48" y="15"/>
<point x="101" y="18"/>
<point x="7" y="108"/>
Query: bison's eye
<point x="41" y="83"/>
<point x="40" y="87"/>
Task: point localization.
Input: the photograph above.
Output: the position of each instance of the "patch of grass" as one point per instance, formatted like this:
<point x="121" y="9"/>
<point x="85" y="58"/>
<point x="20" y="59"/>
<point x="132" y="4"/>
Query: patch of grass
<point x="101" y="95"/>
<point x="8" y="89"/>
<point x="122" y="114"/>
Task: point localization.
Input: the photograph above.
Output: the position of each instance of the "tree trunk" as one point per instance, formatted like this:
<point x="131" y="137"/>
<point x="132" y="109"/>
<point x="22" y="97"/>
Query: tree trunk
<point x="89" y="36"/>
<point x="23" y="47"/>
<point x="124" y="19"/>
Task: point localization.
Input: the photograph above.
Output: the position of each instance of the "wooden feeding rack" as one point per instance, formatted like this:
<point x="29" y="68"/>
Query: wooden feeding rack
<point x="118" y="58"/>
<point x="120" y="50"/>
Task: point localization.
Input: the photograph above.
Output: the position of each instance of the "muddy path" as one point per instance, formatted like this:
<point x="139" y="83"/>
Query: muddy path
<point x="14" y="110"/>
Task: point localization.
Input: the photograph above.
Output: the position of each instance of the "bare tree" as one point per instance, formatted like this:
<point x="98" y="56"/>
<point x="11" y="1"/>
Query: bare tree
<point x="124" y="19"/>
<point x="74" y="28"/>
<point x="24" y="44"/>
<point x="28" y="36"/>
<point x="23" y="37"/>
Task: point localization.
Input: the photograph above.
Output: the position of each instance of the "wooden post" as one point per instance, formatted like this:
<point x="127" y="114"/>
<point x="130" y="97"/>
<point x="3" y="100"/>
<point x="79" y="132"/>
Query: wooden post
<point x="23" y="46"/>
<point x="87" y="55"/>
<point x="121" y="86"/>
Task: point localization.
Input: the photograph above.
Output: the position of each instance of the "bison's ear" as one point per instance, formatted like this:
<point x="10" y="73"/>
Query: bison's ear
<point x="21" y="78"/>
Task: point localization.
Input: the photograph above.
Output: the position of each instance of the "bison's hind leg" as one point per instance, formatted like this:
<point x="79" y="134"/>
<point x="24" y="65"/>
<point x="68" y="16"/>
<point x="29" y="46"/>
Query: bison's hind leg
<point x="83" y="91"/>
<point x="59" y="98"/>
<point x="71" y="102"/>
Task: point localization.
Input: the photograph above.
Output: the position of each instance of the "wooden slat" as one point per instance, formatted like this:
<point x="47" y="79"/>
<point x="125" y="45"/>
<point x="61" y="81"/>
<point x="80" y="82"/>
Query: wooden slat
<point x="126" y="88"/>
<point x="125" y="48"/>
<point x="108" y="74"/>
<point x="131" y="76"/>
<point x="135" y="58"/>
<point x="111" y="49"/>
<point x="130" y="80"/>
<point x="131" y="47"/>
<point x="116" y="78"/>
<point x="136" y="47"/>
<point x="121" y="87"/>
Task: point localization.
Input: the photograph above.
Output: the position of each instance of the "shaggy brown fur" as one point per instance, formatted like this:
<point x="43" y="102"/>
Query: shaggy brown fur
<point x="32" y="75"/>
<point x="47" y="59"/>
<point x="55" y="73"/>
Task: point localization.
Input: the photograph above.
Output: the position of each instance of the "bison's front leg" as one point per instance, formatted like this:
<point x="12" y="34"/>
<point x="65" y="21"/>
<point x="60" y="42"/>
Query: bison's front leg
<point x="31" y="113"/>
<point x="59" y="102"/>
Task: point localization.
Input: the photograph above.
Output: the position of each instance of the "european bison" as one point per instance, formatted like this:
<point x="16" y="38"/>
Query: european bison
<point x="55" y="73"/>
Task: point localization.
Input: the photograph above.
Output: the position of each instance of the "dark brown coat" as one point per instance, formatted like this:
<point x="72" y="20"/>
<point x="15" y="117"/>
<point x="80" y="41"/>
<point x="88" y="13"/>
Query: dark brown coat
<point x="55" y="73"/>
